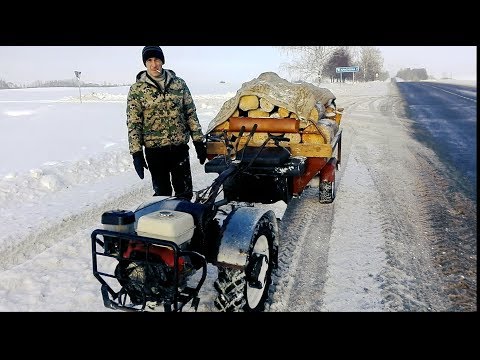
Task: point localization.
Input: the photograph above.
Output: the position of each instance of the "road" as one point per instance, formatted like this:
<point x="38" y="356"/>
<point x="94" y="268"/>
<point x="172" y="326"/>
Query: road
<point x="401" y="234"/>
<point x="445" y="120"/>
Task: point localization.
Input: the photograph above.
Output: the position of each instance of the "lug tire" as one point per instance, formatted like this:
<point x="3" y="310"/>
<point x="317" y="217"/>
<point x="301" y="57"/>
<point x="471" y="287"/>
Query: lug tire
<point x="235" y="292"/>
<point x="327" y="192"/>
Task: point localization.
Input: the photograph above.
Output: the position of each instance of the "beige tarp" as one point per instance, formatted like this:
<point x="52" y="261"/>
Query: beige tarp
<point x="298" y="98"/>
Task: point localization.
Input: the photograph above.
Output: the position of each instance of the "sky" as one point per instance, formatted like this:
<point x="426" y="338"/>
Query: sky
<point x="456" y="62"/>
<point x="204" y="66"/>
<point x="72" y="164"/>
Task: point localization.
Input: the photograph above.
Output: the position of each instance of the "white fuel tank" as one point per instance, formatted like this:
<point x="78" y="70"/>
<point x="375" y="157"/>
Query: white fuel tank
<point x="175" y="226"/>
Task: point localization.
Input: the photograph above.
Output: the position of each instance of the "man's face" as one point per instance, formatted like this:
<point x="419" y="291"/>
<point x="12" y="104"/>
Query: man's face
<point x="154" y="66"/>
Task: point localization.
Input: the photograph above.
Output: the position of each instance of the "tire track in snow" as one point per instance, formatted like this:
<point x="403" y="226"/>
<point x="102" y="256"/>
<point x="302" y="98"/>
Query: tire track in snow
<point x="293" y="230"/>
<point x="305" y="237"/>
<point x="356" y="255"/>
<point x="37" y="242"/>
<point x="409" y="276"/>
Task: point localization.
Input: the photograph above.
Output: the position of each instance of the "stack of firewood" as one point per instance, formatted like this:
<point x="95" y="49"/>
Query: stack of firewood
<point x="259" y="107"/>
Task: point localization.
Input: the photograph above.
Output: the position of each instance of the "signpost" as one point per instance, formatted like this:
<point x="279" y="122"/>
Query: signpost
<point x="77" y="74"/>
<point x="352" y="69"/>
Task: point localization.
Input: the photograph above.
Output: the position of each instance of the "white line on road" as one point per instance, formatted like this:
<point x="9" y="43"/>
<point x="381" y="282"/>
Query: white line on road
<point x="452" y="93"/>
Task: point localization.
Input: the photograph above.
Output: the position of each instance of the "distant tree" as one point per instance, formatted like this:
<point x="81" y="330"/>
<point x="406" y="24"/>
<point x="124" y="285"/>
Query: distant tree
<point x="413" y="74"/>
<point x="384" y="75"/>
<point x="55" y="83"/>
<point x="421" y="74"/>
<point x="339" y="58"/>
<point x="7" y="85"/>
<point x="371" y="63"/>
<point x="355" y="53"/>
<point x="308" y="61"/>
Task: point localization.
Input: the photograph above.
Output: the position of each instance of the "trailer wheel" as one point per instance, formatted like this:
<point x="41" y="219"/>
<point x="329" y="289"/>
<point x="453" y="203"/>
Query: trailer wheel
<point x="247" y="289"/>
<point x="326" y="192"/>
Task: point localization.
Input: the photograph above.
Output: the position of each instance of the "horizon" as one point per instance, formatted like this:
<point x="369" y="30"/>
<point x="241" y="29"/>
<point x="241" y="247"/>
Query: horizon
<point x="202" y="66"/>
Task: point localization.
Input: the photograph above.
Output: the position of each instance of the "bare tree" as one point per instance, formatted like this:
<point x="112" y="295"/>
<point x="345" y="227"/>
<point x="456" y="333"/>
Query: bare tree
<point x="355" y="54"/>
<point x="308" y="61"/>
<point x="340" y="57"/>
<point x="371" y="63"/>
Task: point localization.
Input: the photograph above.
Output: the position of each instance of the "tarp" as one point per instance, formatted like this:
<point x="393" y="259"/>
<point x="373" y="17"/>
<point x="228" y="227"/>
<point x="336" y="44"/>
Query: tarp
<point x="299" y="98"/>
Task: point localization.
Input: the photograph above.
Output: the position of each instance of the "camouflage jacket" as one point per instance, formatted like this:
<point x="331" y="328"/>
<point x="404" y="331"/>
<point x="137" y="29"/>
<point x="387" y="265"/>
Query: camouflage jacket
<point x="157" y="117"/>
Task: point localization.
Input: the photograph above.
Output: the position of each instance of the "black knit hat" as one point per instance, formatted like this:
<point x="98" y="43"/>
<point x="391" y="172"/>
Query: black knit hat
<point x="152" y="51"/>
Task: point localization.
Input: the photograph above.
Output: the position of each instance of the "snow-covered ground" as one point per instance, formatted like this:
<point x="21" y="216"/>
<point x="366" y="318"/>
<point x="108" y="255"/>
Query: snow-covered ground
<point x="65" y="162"/>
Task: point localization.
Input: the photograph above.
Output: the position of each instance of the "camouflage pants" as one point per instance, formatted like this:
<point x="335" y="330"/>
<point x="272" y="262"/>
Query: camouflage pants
<point x="170" y="165"/>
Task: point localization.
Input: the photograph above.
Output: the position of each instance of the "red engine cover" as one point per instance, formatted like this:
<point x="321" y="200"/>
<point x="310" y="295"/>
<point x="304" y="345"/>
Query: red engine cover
<point x="164" y="253"/>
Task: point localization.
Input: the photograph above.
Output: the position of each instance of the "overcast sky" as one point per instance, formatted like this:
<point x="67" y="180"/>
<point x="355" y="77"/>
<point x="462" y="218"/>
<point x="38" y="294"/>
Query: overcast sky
<point x="232" y="64"/>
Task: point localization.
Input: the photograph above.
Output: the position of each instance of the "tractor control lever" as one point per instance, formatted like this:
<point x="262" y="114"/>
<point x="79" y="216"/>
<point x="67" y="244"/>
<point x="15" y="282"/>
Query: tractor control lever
<point x="240" y="134"/>
<point x="254" y="128"/>
<point x="277" y="138"/>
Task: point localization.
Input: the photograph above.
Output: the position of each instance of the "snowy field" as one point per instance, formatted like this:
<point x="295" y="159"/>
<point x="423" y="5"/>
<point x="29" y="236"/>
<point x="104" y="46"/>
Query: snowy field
<point x="65" y="162"/>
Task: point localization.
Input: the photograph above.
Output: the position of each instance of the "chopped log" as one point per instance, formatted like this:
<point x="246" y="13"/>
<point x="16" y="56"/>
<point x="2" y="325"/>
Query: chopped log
<point x="265" y="124"/>
<point x="248" y="102"/>
<point x="330" y="112"/>
<point x="338" y="117"/>
<point x="283" y="112"/>
<point x="266" y="105"/>
<point x="259" y="138"/>
<point x="313" y="114"/>
<point x="258" y="113"/>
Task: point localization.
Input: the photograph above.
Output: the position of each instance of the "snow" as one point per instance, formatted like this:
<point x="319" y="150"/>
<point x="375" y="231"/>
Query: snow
<point x="65" y="162"/>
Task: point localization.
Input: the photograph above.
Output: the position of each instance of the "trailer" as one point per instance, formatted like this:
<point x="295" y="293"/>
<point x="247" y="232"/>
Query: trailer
<point x="299" y="134"/>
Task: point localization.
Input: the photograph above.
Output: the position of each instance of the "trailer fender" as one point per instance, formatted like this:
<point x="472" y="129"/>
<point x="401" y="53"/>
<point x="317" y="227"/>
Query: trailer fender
<point x="238" y="234"/>
<point x="327" y="173"/>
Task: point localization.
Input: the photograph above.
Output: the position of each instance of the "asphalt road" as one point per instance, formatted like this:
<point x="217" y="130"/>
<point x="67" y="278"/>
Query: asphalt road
<point x="401" y="234"/>
<point x="446" y="120"/>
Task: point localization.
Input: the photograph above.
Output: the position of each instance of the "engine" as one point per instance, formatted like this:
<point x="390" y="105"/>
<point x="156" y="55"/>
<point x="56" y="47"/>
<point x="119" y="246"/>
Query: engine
<point x="146" y="268"/>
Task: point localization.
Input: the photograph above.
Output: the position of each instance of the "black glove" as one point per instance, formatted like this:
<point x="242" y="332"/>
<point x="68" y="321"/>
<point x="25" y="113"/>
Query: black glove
<point x="139" y="163"/>
<point x="201" y="149"/>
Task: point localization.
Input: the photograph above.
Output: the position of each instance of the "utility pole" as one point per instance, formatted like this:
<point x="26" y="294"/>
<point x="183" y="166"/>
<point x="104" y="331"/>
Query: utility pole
<point x="77" y="74"/>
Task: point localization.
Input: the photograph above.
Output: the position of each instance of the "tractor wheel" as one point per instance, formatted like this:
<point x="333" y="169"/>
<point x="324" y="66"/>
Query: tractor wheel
<point x="247" y="289"/>
<point x="326" y="192"/>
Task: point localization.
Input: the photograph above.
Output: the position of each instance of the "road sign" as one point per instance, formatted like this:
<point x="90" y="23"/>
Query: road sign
<point x="77" y="74"/>
<point x="347" y="69"/>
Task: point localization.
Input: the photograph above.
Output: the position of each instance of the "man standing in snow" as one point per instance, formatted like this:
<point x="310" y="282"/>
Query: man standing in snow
<point x="161" y="116"/>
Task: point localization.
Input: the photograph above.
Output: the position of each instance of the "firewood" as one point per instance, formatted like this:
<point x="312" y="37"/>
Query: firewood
<point x="248" y="102"/>
<point x="266" y="105"/>
<point x="283" y="112"/>
<point x="258" y="113"/>
<point x="313" y="114"/>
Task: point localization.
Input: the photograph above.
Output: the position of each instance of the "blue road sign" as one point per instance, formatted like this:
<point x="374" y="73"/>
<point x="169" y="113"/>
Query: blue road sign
<point x="347" y="69"/>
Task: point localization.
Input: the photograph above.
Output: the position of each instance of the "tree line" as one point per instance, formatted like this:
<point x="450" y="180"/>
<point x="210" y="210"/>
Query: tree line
<point x="52" y="83"/>
<point x="318" y="64"/>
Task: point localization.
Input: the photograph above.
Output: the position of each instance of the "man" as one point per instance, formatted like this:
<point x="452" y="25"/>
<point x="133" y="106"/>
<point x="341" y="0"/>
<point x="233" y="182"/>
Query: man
<point x="161" y="117"/>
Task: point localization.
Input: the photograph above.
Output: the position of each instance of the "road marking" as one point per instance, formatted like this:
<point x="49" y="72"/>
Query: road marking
<point x="464" y="97"/>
